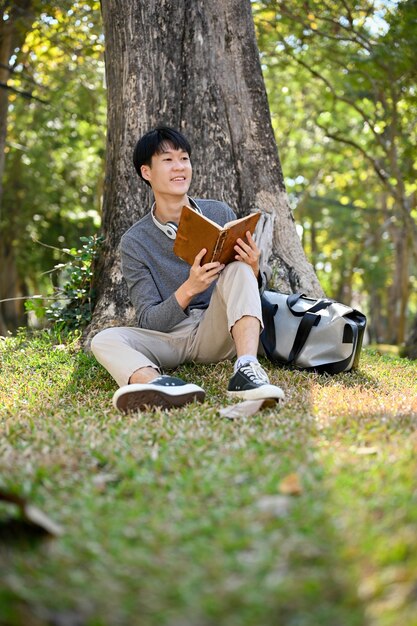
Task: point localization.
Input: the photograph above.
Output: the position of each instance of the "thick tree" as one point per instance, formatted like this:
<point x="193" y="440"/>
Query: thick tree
<point x="193" y="65"/>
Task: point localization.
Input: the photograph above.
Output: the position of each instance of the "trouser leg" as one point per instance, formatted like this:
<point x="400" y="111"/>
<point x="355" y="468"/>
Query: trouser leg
<point x="124" y="350"/>
<point x="236" y="294"/>
<point x="204" y="337"/>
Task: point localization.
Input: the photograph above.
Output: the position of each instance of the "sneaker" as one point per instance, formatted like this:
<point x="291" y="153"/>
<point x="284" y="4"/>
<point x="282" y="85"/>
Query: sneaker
<point x="164" y="392"/>
<point x="251" y="382"/>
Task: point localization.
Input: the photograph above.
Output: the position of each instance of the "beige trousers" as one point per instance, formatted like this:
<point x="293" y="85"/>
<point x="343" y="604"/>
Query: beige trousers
<point x="204" y="337"/>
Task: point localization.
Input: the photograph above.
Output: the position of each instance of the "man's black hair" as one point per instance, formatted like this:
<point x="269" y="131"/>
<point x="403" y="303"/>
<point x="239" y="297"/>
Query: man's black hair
<point x="154" y="142"/>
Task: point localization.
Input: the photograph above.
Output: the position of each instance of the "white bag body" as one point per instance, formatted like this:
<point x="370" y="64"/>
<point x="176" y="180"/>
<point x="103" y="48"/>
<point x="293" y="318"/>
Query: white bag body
<point x="323" y="335"/>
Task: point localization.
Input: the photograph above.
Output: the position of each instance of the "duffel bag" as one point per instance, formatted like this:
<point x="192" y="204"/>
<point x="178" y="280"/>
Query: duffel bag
<point x="321" y="335"/>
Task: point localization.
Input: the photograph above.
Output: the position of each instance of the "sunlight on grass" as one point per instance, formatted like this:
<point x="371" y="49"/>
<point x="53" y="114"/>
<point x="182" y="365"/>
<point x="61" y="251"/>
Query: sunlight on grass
<point x="181" y="518"/>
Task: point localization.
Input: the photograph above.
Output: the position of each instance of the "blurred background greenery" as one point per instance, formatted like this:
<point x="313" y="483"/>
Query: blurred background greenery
<point x="341" y="82"/>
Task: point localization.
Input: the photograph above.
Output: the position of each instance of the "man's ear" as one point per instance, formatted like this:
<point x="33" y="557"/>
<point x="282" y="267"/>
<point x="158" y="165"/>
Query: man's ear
<point x="145" y="170"/>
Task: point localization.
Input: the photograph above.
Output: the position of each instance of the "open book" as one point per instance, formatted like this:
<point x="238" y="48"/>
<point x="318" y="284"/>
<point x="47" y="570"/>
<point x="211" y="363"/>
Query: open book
<point x="195" y="232"/>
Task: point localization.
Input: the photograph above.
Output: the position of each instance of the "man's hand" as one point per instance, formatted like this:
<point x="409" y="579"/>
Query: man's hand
<point x="201" y="277"/>
<point x="248" y="253"/>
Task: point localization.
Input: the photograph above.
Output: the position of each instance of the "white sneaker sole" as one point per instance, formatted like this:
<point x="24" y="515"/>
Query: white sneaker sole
<point x="139" y="397"/>
<point x="259" y="393"/>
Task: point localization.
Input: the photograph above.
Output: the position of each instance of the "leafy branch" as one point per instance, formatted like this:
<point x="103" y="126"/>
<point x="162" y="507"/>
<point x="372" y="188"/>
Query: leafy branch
<point x="74" y="298"/>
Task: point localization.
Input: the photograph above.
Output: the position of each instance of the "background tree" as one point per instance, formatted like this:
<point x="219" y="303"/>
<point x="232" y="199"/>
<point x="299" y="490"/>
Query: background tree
<point x="15" y="20"/>
<point x="193" y="65"/>
<point x="352" y="93"/>
<point x="54" y="146"/>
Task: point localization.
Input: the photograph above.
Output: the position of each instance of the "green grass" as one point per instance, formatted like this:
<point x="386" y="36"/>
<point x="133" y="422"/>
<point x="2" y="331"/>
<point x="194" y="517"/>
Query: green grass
<point x="176" y="519"/>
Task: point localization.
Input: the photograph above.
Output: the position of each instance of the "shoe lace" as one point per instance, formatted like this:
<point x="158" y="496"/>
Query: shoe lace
<point x="255" y="372"/>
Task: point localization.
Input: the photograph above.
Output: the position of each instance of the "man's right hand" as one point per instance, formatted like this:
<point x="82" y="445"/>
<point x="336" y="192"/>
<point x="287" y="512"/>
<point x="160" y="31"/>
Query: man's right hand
<point x="200" y="278"/>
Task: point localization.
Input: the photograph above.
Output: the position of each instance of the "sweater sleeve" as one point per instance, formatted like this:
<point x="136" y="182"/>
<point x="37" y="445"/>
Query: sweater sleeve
<point x="152" y="311"/>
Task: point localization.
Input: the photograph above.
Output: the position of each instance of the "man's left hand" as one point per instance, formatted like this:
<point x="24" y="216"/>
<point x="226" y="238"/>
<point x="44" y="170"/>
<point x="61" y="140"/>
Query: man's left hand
<point x="248" y="253"/>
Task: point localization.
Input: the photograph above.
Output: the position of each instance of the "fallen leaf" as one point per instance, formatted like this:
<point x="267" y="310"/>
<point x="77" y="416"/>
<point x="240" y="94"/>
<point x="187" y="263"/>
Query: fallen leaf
<point x="290" y="485"/>
<point x="31" y="513"/>
<point x="246" y="408"/>
<point x="39" y="518"/>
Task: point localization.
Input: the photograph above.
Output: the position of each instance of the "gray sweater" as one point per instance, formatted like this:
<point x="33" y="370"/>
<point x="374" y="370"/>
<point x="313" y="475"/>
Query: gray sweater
<point x="153" y="272"/>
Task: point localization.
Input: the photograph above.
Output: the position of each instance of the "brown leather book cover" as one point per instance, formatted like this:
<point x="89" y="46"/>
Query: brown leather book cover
<point x="195" y="232"/>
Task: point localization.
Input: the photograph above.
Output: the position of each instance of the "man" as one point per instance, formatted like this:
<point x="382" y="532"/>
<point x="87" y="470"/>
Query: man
<point x="203" y="313"/>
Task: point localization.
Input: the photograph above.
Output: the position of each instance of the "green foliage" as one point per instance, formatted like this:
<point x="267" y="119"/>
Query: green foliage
<point x="341" y="82"/>
<point x="74" y="308"/>
<point x="56" y="138"/>
<point x="179" y="517"/>
<point x="74" y="296"/>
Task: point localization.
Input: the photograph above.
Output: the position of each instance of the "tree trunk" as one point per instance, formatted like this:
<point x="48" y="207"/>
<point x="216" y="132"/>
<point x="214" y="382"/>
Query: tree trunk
<point x="193" y="65"/>
<point x="399" y="289"/>
<point x="410" y="349"/>
<point x="377" y="326"/>
<point x="6" y="41"/>
<point x="12" y="34"/>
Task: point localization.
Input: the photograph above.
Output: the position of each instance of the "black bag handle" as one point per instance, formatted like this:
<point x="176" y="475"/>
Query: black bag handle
<point x="268" y="338"/>
<point x="309" y="320"/>
<point x="318" y="306"/>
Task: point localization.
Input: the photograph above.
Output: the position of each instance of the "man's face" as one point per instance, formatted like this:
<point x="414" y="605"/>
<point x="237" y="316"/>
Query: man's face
<point x="170" y="172"/>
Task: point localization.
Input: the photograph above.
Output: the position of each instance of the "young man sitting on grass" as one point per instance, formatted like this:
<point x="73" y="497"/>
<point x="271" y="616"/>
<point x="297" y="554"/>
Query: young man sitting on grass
<point x="203" y="313"/>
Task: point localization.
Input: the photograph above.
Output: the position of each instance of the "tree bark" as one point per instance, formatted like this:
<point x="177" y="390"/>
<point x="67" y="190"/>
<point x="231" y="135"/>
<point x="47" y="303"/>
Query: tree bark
<point x="193" y="65"/>
<point x="398" y="293"/>
<point x="12" y="34"/>
<point x="410" y="349"/>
